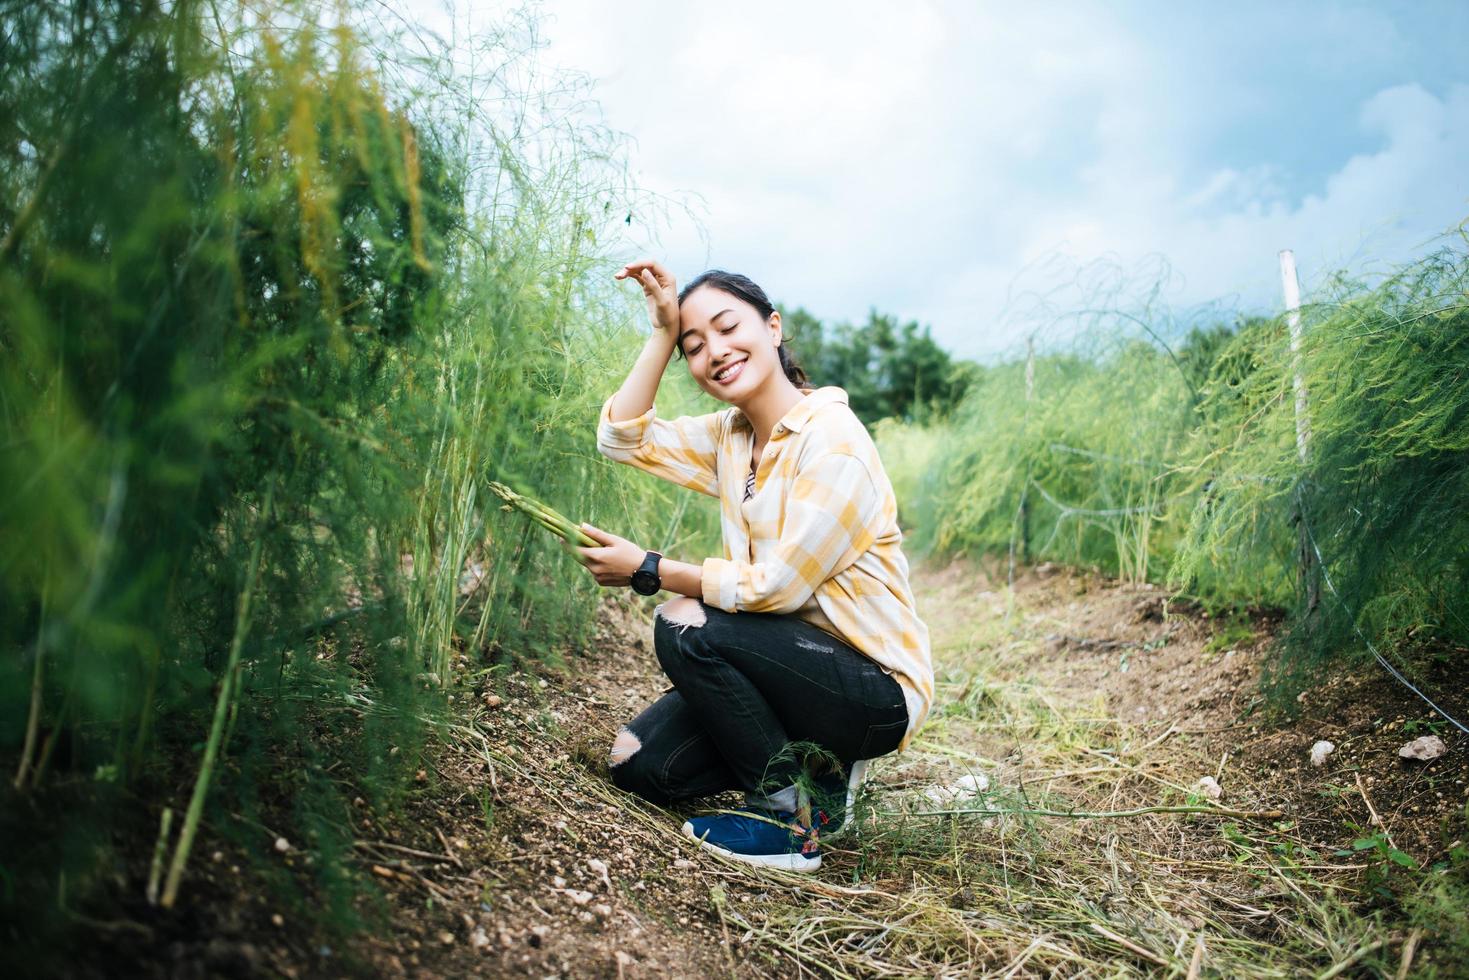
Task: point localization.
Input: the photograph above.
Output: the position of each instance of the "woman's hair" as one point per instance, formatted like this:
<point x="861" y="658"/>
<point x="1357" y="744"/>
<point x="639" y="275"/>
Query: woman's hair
<point x="743" y="288"/>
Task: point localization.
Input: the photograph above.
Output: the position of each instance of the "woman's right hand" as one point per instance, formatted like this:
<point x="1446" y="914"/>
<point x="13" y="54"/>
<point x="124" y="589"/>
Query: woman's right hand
<point x="661" y="292"/>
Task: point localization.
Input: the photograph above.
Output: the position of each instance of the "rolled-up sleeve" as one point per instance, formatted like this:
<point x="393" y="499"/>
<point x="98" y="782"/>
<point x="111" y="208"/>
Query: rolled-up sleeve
<point x="682" y="450"/>
<point x="833" y="514"/>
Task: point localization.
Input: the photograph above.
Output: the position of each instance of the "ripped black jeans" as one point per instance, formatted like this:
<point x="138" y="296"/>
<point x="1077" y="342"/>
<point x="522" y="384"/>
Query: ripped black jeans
<point x="746" y="685"/>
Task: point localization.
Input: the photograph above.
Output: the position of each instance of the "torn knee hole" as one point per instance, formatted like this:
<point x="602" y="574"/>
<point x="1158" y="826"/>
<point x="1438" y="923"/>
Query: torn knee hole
<point x="623" y="747"/>
<point x="684" y="612"/>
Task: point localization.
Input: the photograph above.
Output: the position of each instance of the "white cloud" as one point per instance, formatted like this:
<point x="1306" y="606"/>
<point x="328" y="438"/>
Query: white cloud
<point x="937" y="159"/>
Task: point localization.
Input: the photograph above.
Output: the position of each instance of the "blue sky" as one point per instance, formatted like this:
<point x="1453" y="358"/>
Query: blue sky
<point x="977" y="166"/>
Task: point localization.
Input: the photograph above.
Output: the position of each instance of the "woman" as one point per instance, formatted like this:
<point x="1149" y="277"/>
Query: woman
<point x="805" y="631"/>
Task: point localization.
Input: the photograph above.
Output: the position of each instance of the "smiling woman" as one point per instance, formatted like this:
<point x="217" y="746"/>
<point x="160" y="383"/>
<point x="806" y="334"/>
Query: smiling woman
<point x="805" y="632"/>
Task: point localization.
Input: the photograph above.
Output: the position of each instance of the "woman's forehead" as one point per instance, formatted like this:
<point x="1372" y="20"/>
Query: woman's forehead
<point x="707" y="304"/>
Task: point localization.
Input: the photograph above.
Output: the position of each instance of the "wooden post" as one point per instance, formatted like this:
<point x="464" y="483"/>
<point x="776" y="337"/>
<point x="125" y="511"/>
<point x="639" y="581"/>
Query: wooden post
<point x="1305" y="555"/>
<point x="1292" y="287"/>
<point x="1025" y="490"/>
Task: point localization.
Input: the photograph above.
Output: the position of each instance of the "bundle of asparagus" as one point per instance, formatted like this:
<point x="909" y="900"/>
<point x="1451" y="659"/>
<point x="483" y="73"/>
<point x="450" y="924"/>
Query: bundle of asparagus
<point x="560" y="526"/>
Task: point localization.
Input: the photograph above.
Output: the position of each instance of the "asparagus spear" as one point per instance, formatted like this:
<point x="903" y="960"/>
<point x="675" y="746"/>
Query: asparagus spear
<point x="549" y="519"/>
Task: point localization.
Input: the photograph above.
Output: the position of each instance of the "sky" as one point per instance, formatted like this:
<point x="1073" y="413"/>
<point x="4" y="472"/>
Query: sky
<point x="980" y="166"/>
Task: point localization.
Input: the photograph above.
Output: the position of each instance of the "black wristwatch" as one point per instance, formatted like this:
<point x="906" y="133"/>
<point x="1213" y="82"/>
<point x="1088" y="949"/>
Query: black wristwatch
<point x="645" y="580"/>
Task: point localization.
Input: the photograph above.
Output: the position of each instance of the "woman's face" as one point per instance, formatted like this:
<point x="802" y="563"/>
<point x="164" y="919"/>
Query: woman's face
<point x="730" y="349"/>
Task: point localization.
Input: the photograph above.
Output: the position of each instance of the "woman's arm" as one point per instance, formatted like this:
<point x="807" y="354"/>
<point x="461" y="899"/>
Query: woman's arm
<point x="683" y="450"/>
<point x="636" y="395"/>
<point x="614" y="560"/>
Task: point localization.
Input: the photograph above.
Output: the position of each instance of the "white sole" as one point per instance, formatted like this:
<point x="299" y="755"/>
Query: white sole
<point x="854" y="783"/>
<point x="785" y="862"/>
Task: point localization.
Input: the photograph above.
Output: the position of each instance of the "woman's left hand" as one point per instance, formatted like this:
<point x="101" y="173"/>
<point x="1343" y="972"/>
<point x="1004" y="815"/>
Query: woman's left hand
<point x="614" y="560"/>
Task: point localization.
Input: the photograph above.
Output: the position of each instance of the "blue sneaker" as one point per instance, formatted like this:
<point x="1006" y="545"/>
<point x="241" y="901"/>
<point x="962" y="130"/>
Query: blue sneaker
<point x="768" y="838"/>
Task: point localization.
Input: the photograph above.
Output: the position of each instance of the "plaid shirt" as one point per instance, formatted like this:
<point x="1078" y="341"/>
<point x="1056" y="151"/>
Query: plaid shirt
<point x="819" y="538"/>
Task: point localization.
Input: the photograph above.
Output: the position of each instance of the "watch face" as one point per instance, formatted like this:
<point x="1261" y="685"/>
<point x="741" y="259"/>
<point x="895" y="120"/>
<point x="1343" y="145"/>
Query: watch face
<point x="644" y="582"/>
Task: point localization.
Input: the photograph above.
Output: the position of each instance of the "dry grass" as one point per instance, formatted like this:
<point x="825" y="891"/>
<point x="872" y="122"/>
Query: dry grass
<point x="1063" y="866"/>
<point x="935" y="893"/>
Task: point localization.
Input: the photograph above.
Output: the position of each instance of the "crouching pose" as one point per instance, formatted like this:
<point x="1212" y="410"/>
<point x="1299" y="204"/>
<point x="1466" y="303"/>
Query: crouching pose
<point x="804" y="634"/>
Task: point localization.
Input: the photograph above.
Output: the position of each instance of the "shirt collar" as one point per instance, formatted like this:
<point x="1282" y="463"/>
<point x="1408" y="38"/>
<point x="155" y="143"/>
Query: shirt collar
<point x="801" y="412"/>
<point x="810" y="405"/>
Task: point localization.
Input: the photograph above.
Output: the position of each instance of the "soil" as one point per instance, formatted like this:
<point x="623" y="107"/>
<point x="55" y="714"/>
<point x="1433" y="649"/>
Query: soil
<point x="516" y="856"/>
<point x="1172" y="668"/>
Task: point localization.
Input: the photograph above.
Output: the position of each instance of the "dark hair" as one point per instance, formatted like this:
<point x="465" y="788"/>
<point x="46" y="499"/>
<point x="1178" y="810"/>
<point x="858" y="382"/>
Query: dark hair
<point x="741" y="287"/>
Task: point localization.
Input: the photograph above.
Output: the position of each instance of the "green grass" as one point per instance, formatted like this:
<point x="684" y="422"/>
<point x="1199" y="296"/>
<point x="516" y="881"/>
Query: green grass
<point x="1177" y="463"/>
<point x="278" y="301"/>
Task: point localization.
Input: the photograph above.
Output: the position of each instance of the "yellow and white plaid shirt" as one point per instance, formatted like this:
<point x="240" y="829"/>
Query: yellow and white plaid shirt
<point x="819" y="538"/>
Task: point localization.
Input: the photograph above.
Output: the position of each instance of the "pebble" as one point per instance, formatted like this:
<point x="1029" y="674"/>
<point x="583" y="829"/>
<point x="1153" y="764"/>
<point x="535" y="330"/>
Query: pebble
<point x="683" y="863"/>
<point x="967" y="785"/>
<point x="1320" y="751"/>
<point x="1209" y="786"/>
<point x="447" y="938"/>
<point x="493" y="700"/>
<point x="282" y="845"/>
<point x="1425" y="748"/>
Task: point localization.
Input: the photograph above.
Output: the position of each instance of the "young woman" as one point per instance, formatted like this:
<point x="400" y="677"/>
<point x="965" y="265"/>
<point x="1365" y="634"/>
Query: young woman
<point x="805" y="631"/>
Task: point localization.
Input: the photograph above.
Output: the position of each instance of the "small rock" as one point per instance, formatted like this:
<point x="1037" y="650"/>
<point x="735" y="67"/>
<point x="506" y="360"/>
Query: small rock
<point x="493" y="700"/>
<point x="478" y="939"/>
<point x="1208" y="786"/>
<point x="966" y="785"/>
<point x="600" y="868"/>
<point x="602" y="911"/>
<point x="282" y="845"/>
<point x="1320" y="751"/>
<point x="558" y="882"/>
<point x="447" y="938"/>
<point x="278" y="920"/>
<point x="1423" y="749"/>
<point x="578" y="896"/>
<point x="683" y="864"/>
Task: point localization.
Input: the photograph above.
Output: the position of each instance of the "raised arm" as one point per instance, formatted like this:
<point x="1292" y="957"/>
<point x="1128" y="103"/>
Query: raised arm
<point x="682" y="450"/>
<point x="636" y="395"/>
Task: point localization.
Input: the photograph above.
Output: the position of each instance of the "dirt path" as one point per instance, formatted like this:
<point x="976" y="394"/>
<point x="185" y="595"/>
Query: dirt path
<point x="517" y="857"/>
